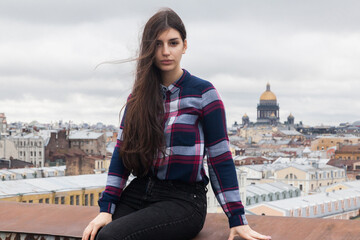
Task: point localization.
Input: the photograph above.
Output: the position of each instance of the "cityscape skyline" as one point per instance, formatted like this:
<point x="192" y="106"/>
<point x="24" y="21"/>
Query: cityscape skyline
<point x="308" y="52"/>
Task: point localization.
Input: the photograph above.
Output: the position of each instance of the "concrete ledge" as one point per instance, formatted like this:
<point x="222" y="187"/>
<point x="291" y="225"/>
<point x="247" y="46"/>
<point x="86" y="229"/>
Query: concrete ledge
<point x="69" y="221"/>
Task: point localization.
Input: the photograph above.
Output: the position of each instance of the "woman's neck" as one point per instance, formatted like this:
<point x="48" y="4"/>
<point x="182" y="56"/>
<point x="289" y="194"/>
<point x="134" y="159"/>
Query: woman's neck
<point x="170" y="77"/>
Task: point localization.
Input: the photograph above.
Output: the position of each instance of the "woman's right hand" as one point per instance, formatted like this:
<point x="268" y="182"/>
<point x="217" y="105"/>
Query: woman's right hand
<point x="98" y="222"/>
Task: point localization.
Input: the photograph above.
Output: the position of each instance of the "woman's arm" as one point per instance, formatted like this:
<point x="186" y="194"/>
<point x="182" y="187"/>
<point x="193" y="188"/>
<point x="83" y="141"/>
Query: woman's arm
<point x="221" y="165"/>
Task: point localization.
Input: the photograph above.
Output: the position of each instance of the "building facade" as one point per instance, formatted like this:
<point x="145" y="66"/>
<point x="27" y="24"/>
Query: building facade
<point x="30" y="148"/>
<point x="3" y="125"/>
<point x="307" y="178"/>
<point x="343" y="204"/>
<point x="91" y="143"/>
<point x="326" y="142"/>
<point x="8" y="149"/>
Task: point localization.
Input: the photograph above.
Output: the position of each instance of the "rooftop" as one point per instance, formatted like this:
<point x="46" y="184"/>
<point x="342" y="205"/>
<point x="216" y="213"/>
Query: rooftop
<point x="84" y="135"/>
<point x="42" y="185"/>
<point x="70" y="221"/>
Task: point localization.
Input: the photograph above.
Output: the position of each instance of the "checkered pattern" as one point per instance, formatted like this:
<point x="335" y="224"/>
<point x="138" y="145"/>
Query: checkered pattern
<point x="195" y="126"/>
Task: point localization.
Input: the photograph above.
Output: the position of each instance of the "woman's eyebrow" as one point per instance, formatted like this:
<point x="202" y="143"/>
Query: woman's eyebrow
<point x="172" y="39"/>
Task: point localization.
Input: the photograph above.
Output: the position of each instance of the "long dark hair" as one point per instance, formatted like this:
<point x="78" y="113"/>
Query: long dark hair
<point x="143" y="133"/>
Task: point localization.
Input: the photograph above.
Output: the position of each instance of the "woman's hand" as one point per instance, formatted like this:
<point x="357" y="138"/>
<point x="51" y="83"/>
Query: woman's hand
<point x="99" y="221"/>
<point x="246" y="233"/>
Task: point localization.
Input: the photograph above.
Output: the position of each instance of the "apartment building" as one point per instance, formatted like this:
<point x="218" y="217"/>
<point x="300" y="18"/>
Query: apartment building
<point x="326" y="142"/>
<point x="92" y="143"/>
<point x="342" y="204"/>
<point x="308" y="178"/>
<point x="30" y="148"/>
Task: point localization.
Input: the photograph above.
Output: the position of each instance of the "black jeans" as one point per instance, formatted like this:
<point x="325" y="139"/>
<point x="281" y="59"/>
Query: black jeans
<point x="155" y="209"/>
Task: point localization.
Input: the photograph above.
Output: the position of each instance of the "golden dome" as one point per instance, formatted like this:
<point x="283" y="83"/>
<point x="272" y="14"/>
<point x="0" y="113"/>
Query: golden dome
<point x="268" y="95"/>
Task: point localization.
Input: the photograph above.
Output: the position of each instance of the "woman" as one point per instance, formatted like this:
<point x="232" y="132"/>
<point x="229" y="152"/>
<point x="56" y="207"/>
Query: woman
<point x="172" y="120"/>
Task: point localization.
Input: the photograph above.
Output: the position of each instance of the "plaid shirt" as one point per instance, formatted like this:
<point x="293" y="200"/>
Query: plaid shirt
<point x="195" y="126"/>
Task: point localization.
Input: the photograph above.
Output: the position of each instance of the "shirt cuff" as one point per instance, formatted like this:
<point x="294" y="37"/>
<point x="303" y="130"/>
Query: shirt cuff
<point x="107" y="207"/>
<point x="237" y="220"/>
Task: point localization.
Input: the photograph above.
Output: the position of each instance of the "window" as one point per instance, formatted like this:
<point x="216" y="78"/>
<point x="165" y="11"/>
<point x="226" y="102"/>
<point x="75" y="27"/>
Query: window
<point x="39" y="154"/>
<point x="301" y="187"/>
<point x="30" y="201"/>
<point x="91" y="199"/>
<point x="40" y="200"/>
<point x="86" y="199"/>
<point x="20" y="153"/>
<point x="62" y="200"/>
<point x="56" y="200"/>
<point x="322" y="208"/>
<point x="315" y="210"/>
<point x="34" y="154"/>
<point x="31" y="153"/>
<point x="77" y="200"/>
<point x="47" y="200"/>
<point x="71" y="200"/>
<point x="329" y="206"/>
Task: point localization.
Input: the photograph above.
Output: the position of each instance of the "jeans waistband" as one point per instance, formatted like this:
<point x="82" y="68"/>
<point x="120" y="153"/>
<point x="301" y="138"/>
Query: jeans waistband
<point x="188" y="186"/>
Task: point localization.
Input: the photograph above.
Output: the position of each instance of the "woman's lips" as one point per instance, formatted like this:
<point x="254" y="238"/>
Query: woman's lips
<point x="166" y="62"/>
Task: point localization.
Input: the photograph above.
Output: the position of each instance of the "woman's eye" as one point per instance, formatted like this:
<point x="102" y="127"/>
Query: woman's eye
<point x="174" y="43"/>
<point x="158" y="44"/>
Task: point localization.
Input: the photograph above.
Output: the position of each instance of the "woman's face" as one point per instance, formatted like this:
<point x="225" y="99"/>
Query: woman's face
<point x="169" y="50"/>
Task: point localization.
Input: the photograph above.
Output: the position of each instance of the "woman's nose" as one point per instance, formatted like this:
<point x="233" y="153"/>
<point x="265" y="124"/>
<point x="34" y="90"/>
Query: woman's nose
<point x="165" y="50"/>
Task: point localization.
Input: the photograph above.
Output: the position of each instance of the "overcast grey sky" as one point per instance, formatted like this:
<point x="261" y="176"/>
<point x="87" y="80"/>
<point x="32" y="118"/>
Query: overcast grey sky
<point x="309" y="52"/>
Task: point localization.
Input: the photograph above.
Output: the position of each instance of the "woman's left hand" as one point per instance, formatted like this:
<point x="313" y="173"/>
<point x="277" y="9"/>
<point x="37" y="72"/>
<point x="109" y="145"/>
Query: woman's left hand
<point x="246" y="232"/>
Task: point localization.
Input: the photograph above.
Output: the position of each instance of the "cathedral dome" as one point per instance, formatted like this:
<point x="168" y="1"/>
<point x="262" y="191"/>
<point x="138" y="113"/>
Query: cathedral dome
<point x="268" y="95"/>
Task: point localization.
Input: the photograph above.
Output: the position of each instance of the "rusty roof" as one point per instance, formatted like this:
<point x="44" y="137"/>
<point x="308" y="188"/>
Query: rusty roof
<point x="69" y="221"/>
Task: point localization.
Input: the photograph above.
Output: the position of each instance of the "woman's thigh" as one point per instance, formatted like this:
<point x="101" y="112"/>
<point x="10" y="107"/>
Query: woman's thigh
<point x="161" y="220"/>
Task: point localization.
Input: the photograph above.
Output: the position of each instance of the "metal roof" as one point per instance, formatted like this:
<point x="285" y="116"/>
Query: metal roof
<point x="40" y="185"/>
<point x="310" y="200"/>
<point x="84" y="134"/>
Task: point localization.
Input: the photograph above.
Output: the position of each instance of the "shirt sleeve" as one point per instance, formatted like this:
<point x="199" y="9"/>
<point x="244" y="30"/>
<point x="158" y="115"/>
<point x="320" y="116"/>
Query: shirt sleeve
<point x="220" y="163"/>
<point x="117" y="177"/>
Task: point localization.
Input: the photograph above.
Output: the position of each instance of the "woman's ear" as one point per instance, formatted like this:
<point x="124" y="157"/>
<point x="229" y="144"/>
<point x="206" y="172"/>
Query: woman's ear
<point x="185" y="46"/>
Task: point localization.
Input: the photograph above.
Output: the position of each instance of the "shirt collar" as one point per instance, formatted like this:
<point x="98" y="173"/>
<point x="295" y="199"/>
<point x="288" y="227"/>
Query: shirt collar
<point x="175" y="85"/>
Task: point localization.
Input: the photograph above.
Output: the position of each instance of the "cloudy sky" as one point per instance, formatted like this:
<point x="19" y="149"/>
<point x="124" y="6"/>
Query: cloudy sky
<point x="309" y="51"/>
